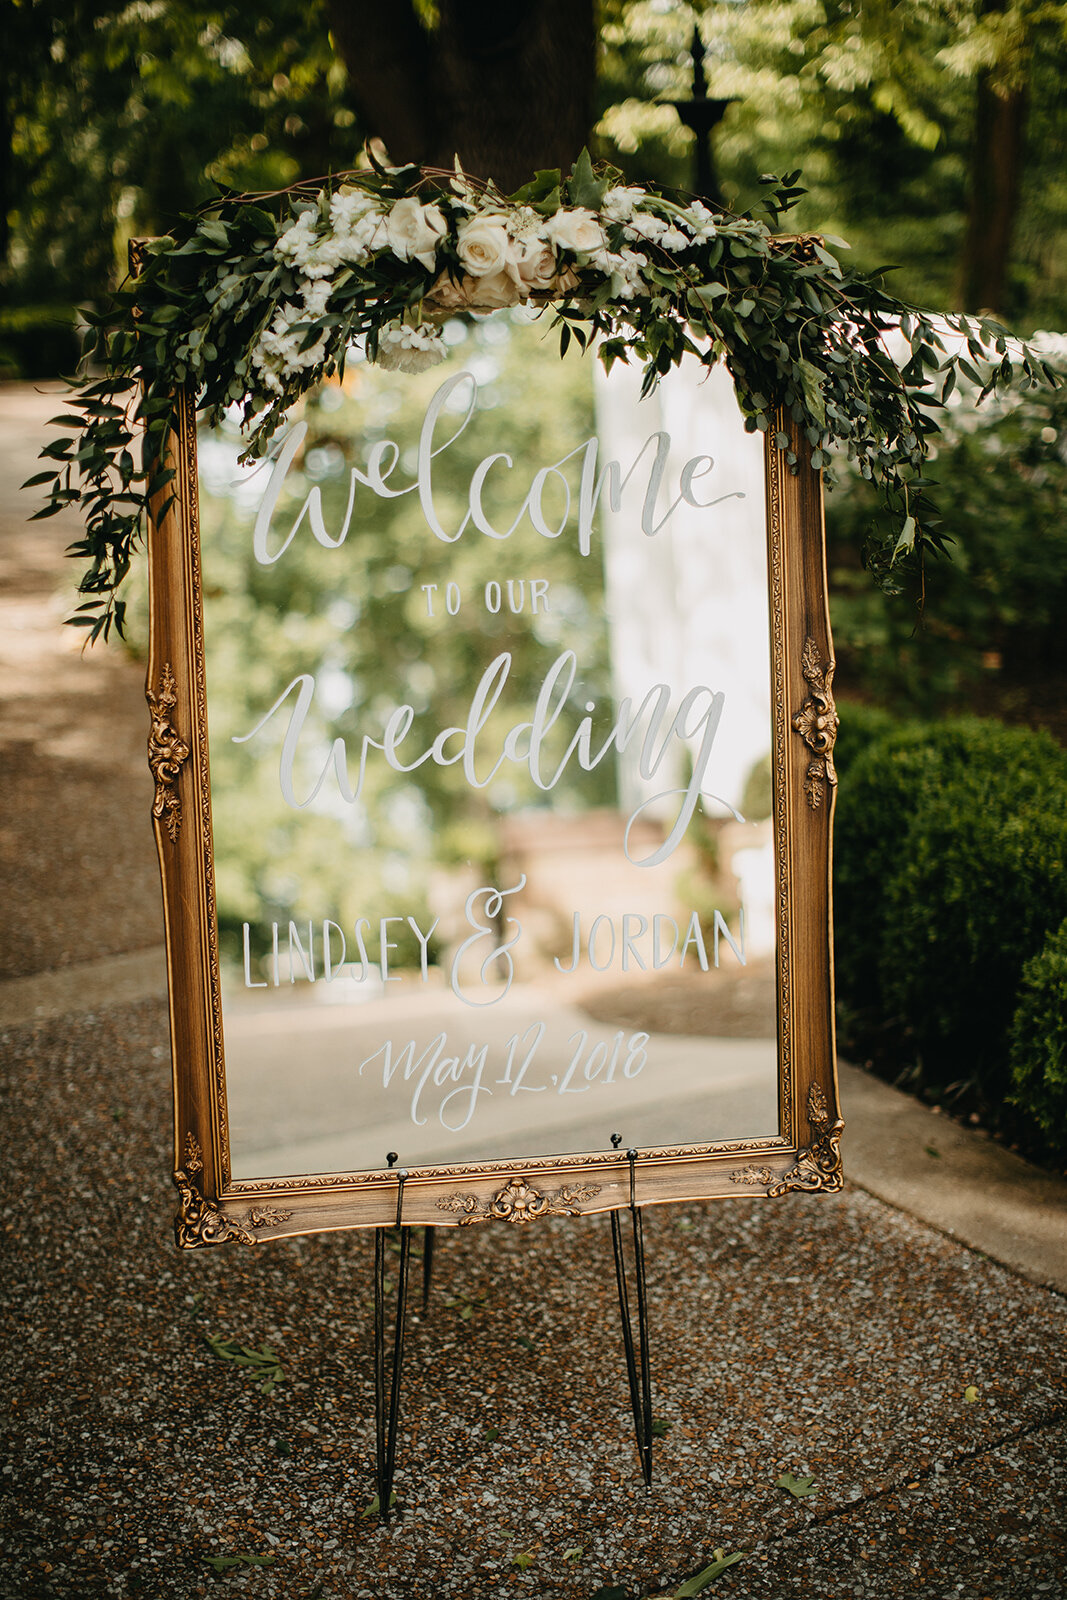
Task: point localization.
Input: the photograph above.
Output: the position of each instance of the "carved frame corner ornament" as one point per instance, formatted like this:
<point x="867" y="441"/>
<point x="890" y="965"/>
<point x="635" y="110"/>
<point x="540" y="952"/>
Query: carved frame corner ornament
<point x="167" y="754"/>
<point x="200" y="1221"/>
<point x="519" y="1201"/>
<point x="817" y="722"/>
<point x="819" y="1167"/>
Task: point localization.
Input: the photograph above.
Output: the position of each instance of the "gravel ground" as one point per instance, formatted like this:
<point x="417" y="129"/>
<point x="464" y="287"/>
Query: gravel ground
<point x="826" y="1337"/>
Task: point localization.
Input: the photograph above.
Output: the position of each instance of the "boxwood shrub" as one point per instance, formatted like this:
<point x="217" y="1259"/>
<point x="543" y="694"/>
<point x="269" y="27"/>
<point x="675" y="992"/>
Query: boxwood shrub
<point x="1039" y="1043"/>
<point x="950" y="869"/>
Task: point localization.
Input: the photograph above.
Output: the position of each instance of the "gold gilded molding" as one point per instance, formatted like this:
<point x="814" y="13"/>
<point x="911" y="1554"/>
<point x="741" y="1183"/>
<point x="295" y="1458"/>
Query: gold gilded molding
<point x="518" y="1201"/>
<point x="167" y="754"/>
<point x="776" y="536"/>
<point x="817" y="722"/>
<point x="819" y="1167"/>
<point x="200" y="1221"/>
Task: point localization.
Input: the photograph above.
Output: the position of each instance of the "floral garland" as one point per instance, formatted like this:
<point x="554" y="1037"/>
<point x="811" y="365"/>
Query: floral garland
<point x="252" y="306"/>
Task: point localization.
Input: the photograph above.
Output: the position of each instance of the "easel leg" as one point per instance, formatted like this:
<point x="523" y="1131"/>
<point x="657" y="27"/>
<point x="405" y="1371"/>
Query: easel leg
<point x="638" y="1370"/>
<point x="429" y="1239"/>
<point x="386" y="1421"/>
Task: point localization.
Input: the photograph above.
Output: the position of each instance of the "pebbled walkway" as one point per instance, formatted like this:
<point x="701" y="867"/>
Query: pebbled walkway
<point x="918" y="1382"/>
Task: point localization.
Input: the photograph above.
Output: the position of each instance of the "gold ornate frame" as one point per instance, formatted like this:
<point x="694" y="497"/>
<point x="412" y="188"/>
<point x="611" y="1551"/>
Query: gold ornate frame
<point x="805" y="1155"/>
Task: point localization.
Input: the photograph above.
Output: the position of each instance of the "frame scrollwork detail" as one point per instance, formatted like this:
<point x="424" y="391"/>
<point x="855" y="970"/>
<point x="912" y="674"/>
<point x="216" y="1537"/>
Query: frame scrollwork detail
<point x="819" y="1167"/>
<point x="817" y="722"/>
<point x="167" y="754"/>
<point x="199" y="1221"/>
<point x="267" y="1217"/>
<point x="754" y="1175"/>
<point x="519" y="1201"/>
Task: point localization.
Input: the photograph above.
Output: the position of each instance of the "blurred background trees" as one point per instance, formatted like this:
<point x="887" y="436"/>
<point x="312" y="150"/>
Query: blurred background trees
<point x="931" y="133"/>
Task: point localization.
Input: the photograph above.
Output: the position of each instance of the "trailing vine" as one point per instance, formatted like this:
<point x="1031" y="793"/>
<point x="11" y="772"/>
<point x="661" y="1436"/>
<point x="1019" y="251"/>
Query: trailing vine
<point x="255" y="298"/>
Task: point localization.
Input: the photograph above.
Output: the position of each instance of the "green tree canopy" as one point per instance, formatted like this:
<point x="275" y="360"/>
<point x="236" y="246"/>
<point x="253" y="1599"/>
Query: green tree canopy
<point x="932" y="134"/>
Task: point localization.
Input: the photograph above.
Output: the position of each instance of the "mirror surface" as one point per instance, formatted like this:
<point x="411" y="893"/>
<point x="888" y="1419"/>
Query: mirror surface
<point x="488" y="674"/>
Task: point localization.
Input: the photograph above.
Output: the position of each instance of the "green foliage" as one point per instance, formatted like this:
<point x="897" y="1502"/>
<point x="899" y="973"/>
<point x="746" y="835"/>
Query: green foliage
<point x="700" y="1580"/>
<point x="227" y="1563"/>
<point x="264" y="1364"/>
<point x="861" y="726"/>
<point x="992" y="616"/>
<point x="221" y="305"/>
<point x="950" y="868"/>
<point x="757" y="797"/>
<point x="1039" y="1043"/>
<point x="885" y="789"/>
<point x="799" y="1488"/>
<point x="373" y="1507"/>
<point x="875" y="102"/>
<point x="123" y="116"/>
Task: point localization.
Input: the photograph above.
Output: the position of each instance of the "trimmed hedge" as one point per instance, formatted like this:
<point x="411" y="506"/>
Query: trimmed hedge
<point x="861" y="726"/>
<point x="984" y="880"/>
<point x="950" y="869"/>
<point x="1039" y="1043"/>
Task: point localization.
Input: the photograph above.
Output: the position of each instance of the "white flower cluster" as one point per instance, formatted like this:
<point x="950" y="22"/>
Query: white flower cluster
<point x="402" y="348"/>
<point x="278" y="352"/>
<point x="505" y="255"/>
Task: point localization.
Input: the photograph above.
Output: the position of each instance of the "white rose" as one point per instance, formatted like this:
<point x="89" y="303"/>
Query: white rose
<point x="483" y="246"/>
<point x="487" y="293"/>
<point x="576" y="230"/>
<point x="414" y="231"/>
<point x="536" y="263"/>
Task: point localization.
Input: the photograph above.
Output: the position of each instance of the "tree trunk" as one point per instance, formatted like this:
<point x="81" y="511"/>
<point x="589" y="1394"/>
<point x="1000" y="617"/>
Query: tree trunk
<point x="507" y="85"/>
<point x="996" y="180"/>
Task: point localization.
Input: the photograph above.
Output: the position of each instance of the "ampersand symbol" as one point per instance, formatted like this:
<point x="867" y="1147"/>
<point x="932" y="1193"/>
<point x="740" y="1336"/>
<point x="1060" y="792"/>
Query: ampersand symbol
<point x="493" y="904"/>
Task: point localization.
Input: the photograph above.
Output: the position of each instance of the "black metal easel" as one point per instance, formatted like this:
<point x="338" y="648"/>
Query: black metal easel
<point x="387" y="1413"/>
<point x="386" y="1421"/>
<point x="637" y="1365"/>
